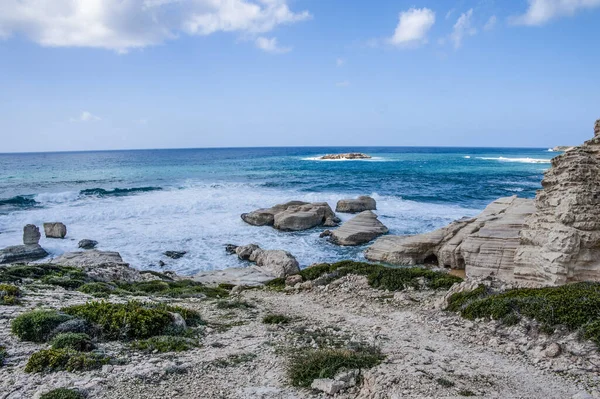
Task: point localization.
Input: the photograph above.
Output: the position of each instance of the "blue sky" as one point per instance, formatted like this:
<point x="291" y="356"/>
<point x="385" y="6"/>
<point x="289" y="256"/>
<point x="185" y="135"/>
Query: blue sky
<point x="118" y="74"/>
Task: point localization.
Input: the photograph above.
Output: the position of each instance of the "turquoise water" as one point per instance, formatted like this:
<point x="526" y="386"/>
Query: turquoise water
<point x="142" y="203"/>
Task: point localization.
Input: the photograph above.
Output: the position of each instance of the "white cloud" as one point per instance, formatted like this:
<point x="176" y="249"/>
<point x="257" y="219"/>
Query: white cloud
<point x="413" y="26"/>
<point x="541" y="11"/>
<point x="340" y="62"/>
<point x="344" y="83"/>
<point x="491" y="23"/>
<point x="122" y="25"/>
<point x="270" y="45"/>
<point x="462" y="28"/>
<point x="86" y="117"/>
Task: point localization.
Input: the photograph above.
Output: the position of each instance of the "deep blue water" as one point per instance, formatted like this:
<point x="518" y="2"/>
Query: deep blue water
<point x="142" y="202"/>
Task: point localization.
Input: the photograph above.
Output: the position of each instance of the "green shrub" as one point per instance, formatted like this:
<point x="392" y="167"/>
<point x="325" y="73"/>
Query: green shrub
<point x="76" y="341"/>
<point x="165" y="343"/>
<point x="192" y="318"/>
<point x="3" y="355"/>
<point x="237" y="304"/>
<point x="466" y="392"/>
<point x="9" y="294"/>
<point x="37" y="325"/>
<point x="276" y="319"/>
<point x="63" y="359"/>
<point x="306" y="366"/>
<point x="277" y="284"/>
<point x="382" y="277"/>
<point x="575" y="306"/>
<point x="459" y="300"/>
<point x="226" y="286"/>
<point x="444" y="382"/>
<point x="68" y="277"/>
<point x="63" y="393"/>
<point x="123" y="321"/>
<point x="98" y="289"/>
<point x="176" y="289"/>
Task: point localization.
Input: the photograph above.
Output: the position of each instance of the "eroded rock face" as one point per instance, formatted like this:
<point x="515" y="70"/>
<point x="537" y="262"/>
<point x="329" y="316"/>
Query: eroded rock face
<point x="356" y="205"/>
<point x="277" y="263"/>
<point x="485" y="245"/>
<point x="102" y="265"/>
<point x="361" y="229"/>
<point x="293" y="216"/>
<point x="31" y="235"/>
<point x="55" y="230"/>
<point x="22" y="253"/>
<point x="561" y="241"/>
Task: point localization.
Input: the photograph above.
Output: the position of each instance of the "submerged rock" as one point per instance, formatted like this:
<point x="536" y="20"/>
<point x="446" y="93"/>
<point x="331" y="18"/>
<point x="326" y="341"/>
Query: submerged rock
<point x="357" y="205"/>
<point x="31" y="235"/>
<point x="55" y="230"/>
<point x="22" y="253"/>
<point x="361" y="229"/>
<point x="175" y="254"/>
<point x="87" y="244"/>
<point x="293" y="216"/>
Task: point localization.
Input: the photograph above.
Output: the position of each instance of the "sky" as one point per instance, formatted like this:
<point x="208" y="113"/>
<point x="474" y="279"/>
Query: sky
<point x="128" y="74"/>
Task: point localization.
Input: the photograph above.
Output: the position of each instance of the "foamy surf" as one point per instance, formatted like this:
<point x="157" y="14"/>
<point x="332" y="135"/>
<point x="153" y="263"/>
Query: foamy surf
<point x="520" y="160"/>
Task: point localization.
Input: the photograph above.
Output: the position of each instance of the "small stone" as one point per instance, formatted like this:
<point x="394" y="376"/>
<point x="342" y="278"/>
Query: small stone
<point x="553" y="350"/>
<point x="291" y="281"/>
<point x="327" y="385"/>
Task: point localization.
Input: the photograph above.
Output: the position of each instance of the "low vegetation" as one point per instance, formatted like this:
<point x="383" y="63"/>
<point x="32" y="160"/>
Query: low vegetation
<point x="237" y="304"/>
<point x="275" y="319"/>
<point x="97" y="289"/>
<point x="3" y="355"/>
<point x="175" y="289"/>
<point x="165" y="343"/>
<point x="47" y="360"/>
<point x="575" y="306"/>
<point x="308" y="365"/>
<point x="63" y="276"/>
<point x="9" y="294"/>
<point x="382" y="277"/>
<point x="76" y="341"/>
<point x="63" y="393"/>
<point x="37" y="325"/>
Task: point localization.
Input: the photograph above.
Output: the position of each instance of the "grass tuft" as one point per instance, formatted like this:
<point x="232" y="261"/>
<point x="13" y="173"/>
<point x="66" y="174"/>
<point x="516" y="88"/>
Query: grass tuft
<point x="63" y="393"/>
<point x="276" y="319"/>
<point x="165" y="343"/>
<point x="47" y="360"/>
<point x="9" y="295"/>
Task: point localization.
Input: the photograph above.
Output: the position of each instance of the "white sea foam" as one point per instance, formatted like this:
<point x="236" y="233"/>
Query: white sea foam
<point x="520" y="160"/>
<point x="57" y="198"/>
<point x="201" y="219"/>
<point x="467" y="157"/>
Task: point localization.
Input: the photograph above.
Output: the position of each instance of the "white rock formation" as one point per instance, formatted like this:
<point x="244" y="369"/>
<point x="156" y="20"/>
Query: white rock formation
<point x="361" y="229"/>
<point x="356" y="205"/>
<point x="293" y="216"/>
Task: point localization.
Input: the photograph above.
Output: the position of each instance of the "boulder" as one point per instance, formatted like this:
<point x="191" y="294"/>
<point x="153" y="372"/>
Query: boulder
<point x="293" y="216"/>
<point x="276" y="263"/>
<point x="22" y="253"/>
<point x="31" y="235"/>
<point x="361" y="229"/>
<point x="87" y="244"/>
<point x="291" y="281"/>
<point x="55" y="230"/>
<point x="102" y="265"/>
<point x="357" y="205"/>
<point x="175" y="254"/>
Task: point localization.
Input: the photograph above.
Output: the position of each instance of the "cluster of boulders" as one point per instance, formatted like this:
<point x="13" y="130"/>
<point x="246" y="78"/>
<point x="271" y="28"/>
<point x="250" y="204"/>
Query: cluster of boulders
<point x="552" y="240"/>
<point x="298" y="215"/>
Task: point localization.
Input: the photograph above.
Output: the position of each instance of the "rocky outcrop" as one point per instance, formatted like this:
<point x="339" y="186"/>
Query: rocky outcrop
<point x="562" y="148"/>
<point x="276" y="263"/>
<point x="293" y="216"/>
<point x="87" y="244"/>
<point x="241" y="276"/>
<point x="22" y="253"/>
<point x="487" y="243"/>
<point x="31" y="235"/>
<point x="357" y="205"/>
<point x="553" y="240"/>
<point x="55" y="230"/>
<point x="361" y="229"/>
<point x="561" y="241"/>
<point x="350" y="155"/>
<point x="101" y="265"/>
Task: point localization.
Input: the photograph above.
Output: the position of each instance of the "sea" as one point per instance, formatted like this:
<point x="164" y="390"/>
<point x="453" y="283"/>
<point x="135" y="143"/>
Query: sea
<point x="142" y="203"/>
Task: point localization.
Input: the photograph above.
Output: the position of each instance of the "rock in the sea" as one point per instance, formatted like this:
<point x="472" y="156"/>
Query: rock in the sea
<point x="293" y="216"/>
<point x="349" y="155"/>
<point x="484" y="245"/>
<point x="55" y="230"/>
<point x="31" y="235"/>
<point x="87" y="244"/>
<point x="22" y="253"/>
<point x="361" y="229"/>
<point x="356" y="205"/>
<point x="175" y="254"/>
<point x="276" y="263"/>
<point x="102" y="265"/>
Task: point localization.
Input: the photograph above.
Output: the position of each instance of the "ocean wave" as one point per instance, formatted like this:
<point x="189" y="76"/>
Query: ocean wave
<point x="57" y="198"/>
<point x="20" y="201"/>
<point x="117" y="192"/>
<point x="520" y="160"/>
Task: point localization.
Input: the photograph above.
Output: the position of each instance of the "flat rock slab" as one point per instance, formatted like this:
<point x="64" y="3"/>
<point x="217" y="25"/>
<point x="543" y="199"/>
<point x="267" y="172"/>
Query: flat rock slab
<point x="103" y="265"/>
<point x="361" y="229"/>
<point x="22" y="253"/>
<point x="246" y="276"/>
